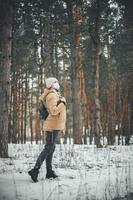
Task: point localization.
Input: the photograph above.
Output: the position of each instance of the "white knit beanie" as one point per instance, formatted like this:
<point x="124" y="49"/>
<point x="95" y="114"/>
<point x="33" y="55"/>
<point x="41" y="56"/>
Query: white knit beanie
<point x="50" y="81"/>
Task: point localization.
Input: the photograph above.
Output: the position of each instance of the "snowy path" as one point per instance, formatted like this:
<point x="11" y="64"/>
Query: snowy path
<point x="85" y="173"/>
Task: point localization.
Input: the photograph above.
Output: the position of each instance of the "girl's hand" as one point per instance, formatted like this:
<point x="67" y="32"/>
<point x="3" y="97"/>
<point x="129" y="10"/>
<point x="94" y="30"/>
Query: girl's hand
<point x="62" y="99"/>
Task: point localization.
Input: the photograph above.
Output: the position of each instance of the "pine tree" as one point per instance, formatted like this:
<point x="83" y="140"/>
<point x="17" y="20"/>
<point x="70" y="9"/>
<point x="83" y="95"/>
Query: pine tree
<point x="6" y="11"/>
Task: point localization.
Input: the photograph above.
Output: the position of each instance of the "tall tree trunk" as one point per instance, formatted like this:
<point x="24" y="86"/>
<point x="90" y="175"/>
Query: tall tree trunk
<point x="74" y="13"/>
<point x="45" y="45"/>
<point x="85" y="113"/>
<point x="14" y="134"/>
<point x="130" y="120"/>
<point x="64" y="80"/>
<point x="37" y="121"/>
<point x="97" y="119"/>
<point x="30" y="103"/>
<point x="22" y="110"/>
<point x="52" y="71"/>
<point x="10" y="117"/>
<point x="111" y="101"/>
<point x="57" y="69"/>
<point x="25" y="105"/>
<point x="18" y="108"/>
<point x="6" y="10"/>
<point x="95" y="36"/>
<point x="30" y="119"/>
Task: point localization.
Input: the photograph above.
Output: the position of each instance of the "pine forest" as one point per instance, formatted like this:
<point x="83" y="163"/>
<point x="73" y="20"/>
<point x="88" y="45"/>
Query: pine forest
<point x="88" y="46"/>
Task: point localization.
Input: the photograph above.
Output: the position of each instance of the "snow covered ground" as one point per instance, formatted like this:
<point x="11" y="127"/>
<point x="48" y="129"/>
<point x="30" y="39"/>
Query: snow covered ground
<point x="85" y="173"/>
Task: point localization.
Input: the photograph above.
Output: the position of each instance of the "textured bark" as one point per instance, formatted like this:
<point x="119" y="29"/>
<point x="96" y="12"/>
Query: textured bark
<point x="25" y="106"/>
<point x="6" y="10"/>
<point x="30" y="105"/>
<point x="64" y="80"/>
<point x="85" y="110"/>
<point x="97" y="126"/>
<point x="37" y="122"/>
<point x="131" y="117"/>
<point x="76" y="67"/>
<point x="111" y="101"/>
<point x="18" y="109"/>
<point x="10" y="118"/>
<point x="14" y="90"/>
<point x="22" y="114"/>
<point x="95" y="36"/>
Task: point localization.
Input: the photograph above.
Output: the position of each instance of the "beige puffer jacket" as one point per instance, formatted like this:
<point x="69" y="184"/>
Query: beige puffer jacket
<point x="56" y="119"/>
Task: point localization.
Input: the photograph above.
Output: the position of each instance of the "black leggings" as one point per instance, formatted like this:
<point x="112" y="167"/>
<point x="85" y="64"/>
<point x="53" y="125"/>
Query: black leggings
<point x="47" y="152"/>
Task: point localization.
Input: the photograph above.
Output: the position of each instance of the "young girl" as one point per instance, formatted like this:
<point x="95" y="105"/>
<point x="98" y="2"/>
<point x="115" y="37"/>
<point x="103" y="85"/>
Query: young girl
<point x="54" y="123"/>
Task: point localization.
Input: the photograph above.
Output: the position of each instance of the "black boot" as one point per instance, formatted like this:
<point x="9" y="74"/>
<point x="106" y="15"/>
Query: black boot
<point x="51" y="174"/>
<point x="34" y="174"/>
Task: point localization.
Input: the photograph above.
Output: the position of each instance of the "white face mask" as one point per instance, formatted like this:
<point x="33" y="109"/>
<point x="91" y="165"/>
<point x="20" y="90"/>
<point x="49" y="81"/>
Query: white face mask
<point x="56" y="86"/>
